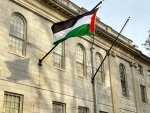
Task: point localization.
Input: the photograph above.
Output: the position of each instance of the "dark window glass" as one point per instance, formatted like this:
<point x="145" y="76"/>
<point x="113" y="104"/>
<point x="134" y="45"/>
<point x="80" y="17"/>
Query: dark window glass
<point x="140" y="70"/>
<point x="123" y="79"/>
<point x="82" y="110"/>
<point x="143" y="93"/>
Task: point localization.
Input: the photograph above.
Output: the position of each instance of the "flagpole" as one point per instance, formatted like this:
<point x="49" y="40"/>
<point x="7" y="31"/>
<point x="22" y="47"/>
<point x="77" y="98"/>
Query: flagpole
<point x="92" y="64"/>
<point x="40" y="60"/>
<point x="109" y="50"/>
<point x="97" y="5"/>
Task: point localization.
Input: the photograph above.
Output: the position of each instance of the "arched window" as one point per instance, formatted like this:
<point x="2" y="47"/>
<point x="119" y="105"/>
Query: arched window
<point x="123" y="79"/>
<point x="100" y="75"/>
<point x="17" y="36"/>
<point x="80" y="60"/>
<point x="58" y="56"/>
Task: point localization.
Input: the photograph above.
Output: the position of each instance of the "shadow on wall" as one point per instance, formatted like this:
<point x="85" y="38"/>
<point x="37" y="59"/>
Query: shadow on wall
<point x="19" y="70"/>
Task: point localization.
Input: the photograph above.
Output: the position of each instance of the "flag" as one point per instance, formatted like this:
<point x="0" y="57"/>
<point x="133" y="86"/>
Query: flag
<point x="80" y="25"/>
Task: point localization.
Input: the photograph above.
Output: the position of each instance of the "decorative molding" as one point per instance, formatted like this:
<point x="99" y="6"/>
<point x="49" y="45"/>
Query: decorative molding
<point x="113" y="53"/>
<point x="133" y="64"/>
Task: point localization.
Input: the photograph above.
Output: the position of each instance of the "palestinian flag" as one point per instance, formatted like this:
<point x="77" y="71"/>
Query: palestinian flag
<point x="75" y="27"/>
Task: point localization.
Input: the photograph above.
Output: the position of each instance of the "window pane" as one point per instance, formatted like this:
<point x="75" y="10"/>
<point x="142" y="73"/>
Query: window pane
<point x="15" y="45"/>
<point x="123" y="79"/>
<point x="58" y="108"/>
<point x="79" y="69"/>
<point x="123" y="85"/>
<point x="16" y="26"/>
<point x="82" y="110"/>
<point x="16" y="38"/>
<point x="99" y="73"/>
<point x="57" y="60"/>
<point x="11" y="103"/>
<point x="58" y="56"/>
<point x="79" y="54"/>
<point x="122" y="72"/>
<point x="139" y="68"/>
<point x="80" y="61"/>
<point x="143" y="93"/>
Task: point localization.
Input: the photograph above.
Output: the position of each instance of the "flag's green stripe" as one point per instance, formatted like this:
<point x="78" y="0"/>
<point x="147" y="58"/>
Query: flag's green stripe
<point x="79" y="31"/>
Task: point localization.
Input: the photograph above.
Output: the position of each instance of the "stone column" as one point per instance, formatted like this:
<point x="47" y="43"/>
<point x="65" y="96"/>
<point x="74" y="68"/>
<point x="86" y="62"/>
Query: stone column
<point x="113" y="82"/>
<point x="136" y="87"/>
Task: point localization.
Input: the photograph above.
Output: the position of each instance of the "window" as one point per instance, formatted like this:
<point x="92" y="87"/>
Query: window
<point x="103" y="112"/>
<point x="123" y="79"/>
<point x="58" y="107"/>
<point x="140" y="69"/>
<point x="58" y="56"/>
<point x="98" y="60"/>
<point x="143" y="93"/>
<point x="148" y="73"/>
<point x="17" y="36"/>
<point x="80" y="60"/>
<point x="12" y="103"/>
<point x="82" y="110"/>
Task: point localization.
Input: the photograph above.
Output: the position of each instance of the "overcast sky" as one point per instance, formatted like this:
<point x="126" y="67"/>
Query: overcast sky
<point x="114" y="13"/>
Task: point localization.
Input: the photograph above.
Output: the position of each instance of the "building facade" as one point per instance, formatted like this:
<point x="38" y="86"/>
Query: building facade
<point x="63" y="83"/>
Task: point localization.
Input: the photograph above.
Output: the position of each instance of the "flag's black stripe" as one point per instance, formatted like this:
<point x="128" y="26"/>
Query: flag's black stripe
<point x="56" y="27"/>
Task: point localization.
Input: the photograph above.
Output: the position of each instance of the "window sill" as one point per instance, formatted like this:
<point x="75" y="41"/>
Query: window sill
<point x="59" y="69"/>
<point x="101" y="83"/>
<point x="17" y="54"/>
<point x="82" y="77"/>
<point x="145" y="104"/>
<point x="125" y="97"/>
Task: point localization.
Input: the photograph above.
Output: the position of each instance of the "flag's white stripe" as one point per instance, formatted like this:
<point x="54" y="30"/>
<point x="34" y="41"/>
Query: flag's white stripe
<point x="62" y="34"/>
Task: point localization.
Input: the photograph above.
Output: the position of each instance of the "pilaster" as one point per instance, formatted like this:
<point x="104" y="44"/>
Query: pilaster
<point x="113" y="81"/>
<point x="136" y="86"/>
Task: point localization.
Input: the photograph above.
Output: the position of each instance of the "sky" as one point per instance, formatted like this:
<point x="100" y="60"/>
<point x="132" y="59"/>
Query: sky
<point x="114" y="13"/>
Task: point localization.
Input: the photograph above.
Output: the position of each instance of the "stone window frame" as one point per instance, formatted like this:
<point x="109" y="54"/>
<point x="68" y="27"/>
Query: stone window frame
<point x="24" y="40"/>
<point x="102" y="112"/>
<point x="143" y="94"/>
<point x="148" y="72"/>
<point x="101" y="70"/>
<point x="123" y="79"/>
<point x="20" y="110"/>
<point x="61" y="104"/>
<point x="140" y="70"/>
<point x="62" y="55"/>
<point x="84" y="108"/>
<point x="84" y="60"/>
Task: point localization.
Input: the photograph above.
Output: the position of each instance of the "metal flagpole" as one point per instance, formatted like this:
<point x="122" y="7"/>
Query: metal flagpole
<point x="92" y="64"/>
<point x="36" y="47"/>
<point x="40" y="60"/>
<point x="97" y="5"/>
<point x="109" y="50"/>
